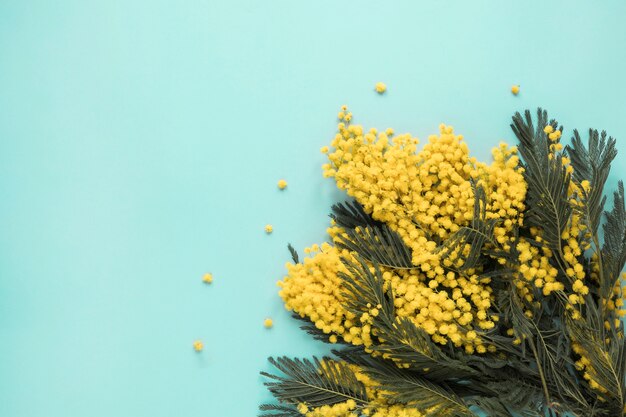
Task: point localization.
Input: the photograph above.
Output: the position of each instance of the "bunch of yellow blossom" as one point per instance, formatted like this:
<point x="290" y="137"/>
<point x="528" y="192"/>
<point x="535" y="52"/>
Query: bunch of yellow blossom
<point x="430" y="197"/>
<point x="425" y="197"/>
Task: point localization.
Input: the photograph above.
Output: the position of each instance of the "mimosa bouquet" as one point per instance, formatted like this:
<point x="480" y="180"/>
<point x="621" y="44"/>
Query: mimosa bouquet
<point x="454" y="287"/>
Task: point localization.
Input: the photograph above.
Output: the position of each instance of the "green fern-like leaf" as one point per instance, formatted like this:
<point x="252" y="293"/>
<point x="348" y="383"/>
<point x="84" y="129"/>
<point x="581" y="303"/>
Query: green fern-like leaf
<point x="492" y="406"/>
<point x="607" y="360"/>
<point x="518" y="395"/>
<point x="614" y="248"/>
<point x="378" y="244"/>
<point x="501" y="407"/>
<point x="371" y="239"/>
<point x="411" y="346"/>
<point x="592" y="163"/>
<point x="294" y="254"/>
<point x="547" y="199"/>
<point x="362" y="287"/>
<point x="351" y="215"/>
<point x="416" y="391"/>
<point x="313" y="383"/>
<point x="279" y="410"/>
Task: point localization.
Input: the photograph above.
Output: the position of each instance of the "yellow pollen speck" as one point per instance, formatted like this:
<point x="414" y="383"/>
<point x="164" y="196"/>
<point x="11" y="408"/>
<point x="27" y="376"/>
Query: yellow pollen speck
<point x="515" y="89"/>
<point x="282" y="184"/>
<point x="207" y="278"/>
<point x="380" y="88"/>
<point x="269" y="228"/>
<point x="198" y="346"/>
<point x="268" y="323"/>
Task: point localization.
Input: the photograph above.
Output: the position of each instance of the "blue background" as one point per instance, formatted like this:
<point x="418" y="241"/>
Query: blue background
<point x="141" y="143"/>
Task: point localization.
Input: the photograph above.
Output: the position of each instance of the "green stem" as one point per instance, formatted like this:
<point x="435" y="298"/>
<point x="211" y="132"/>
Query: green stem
<point x="546" y="393"/>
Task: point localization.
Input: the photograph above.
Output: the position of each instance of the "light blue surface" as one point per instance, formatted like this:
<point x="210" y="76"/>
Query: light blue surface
<point x="141" y="142"/>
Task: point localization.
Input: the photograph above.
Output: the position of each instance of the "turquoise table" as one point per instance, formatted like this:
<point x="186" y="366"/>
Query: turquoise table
<point x="141" y="143"/>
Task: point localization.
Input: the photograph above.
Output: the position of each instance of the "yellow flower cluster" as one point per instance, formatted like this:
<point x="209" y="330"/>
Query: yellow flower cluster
<point x="313" y="290"/>
<point x="344" y="409"/>
<point x="535" y="267"/>
<point x="584" y="365"/>
<point x="424" y="196"/>
<point x="616" y="302"/>
<point x="207" y="278"/>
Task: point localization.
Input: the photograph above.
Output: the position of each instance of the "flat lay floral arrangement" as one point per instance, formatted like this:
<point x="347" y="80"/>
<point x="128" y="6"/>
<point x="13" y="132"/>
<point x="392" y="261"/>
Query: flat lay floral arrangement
<point x="454" y="287"/>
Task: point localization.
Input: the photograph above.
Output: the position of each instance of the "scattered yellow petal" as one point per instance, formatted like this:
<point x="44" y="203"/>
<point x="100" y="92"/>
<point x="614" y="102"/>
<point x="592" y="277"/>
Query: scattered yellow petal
<point x="269" y="228"/>
<point x="380" y="88"/>
<point x="515" y="89"/>
<point x="282" y="184"/>
<point x="198" y="346"/>
<point x="268" y="323"/>
<point x="207" y="278"/>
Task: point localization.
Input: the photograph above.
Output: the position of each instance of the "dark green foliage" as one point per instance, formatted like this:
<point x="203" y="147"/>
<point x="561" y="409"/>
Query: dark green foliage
<point x="415" y="390"/>
<point x="294" y="253"/>
<point x="606" y="352"/>
<point x="371" y="239"/>
<point x="378" y="244"/>
<point x="277" y="410"/>
<point x="310" y="382"/>
<point x="408" y="344"/>
<point x="514" y="397"/>
<point x="592" y="163"/>
<point x="351" y="215"/>
<point x="547" y="202"/>
<point x="614" y="248"/>
<point x="362" y="287"/>
<point x="534" y="377"/>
